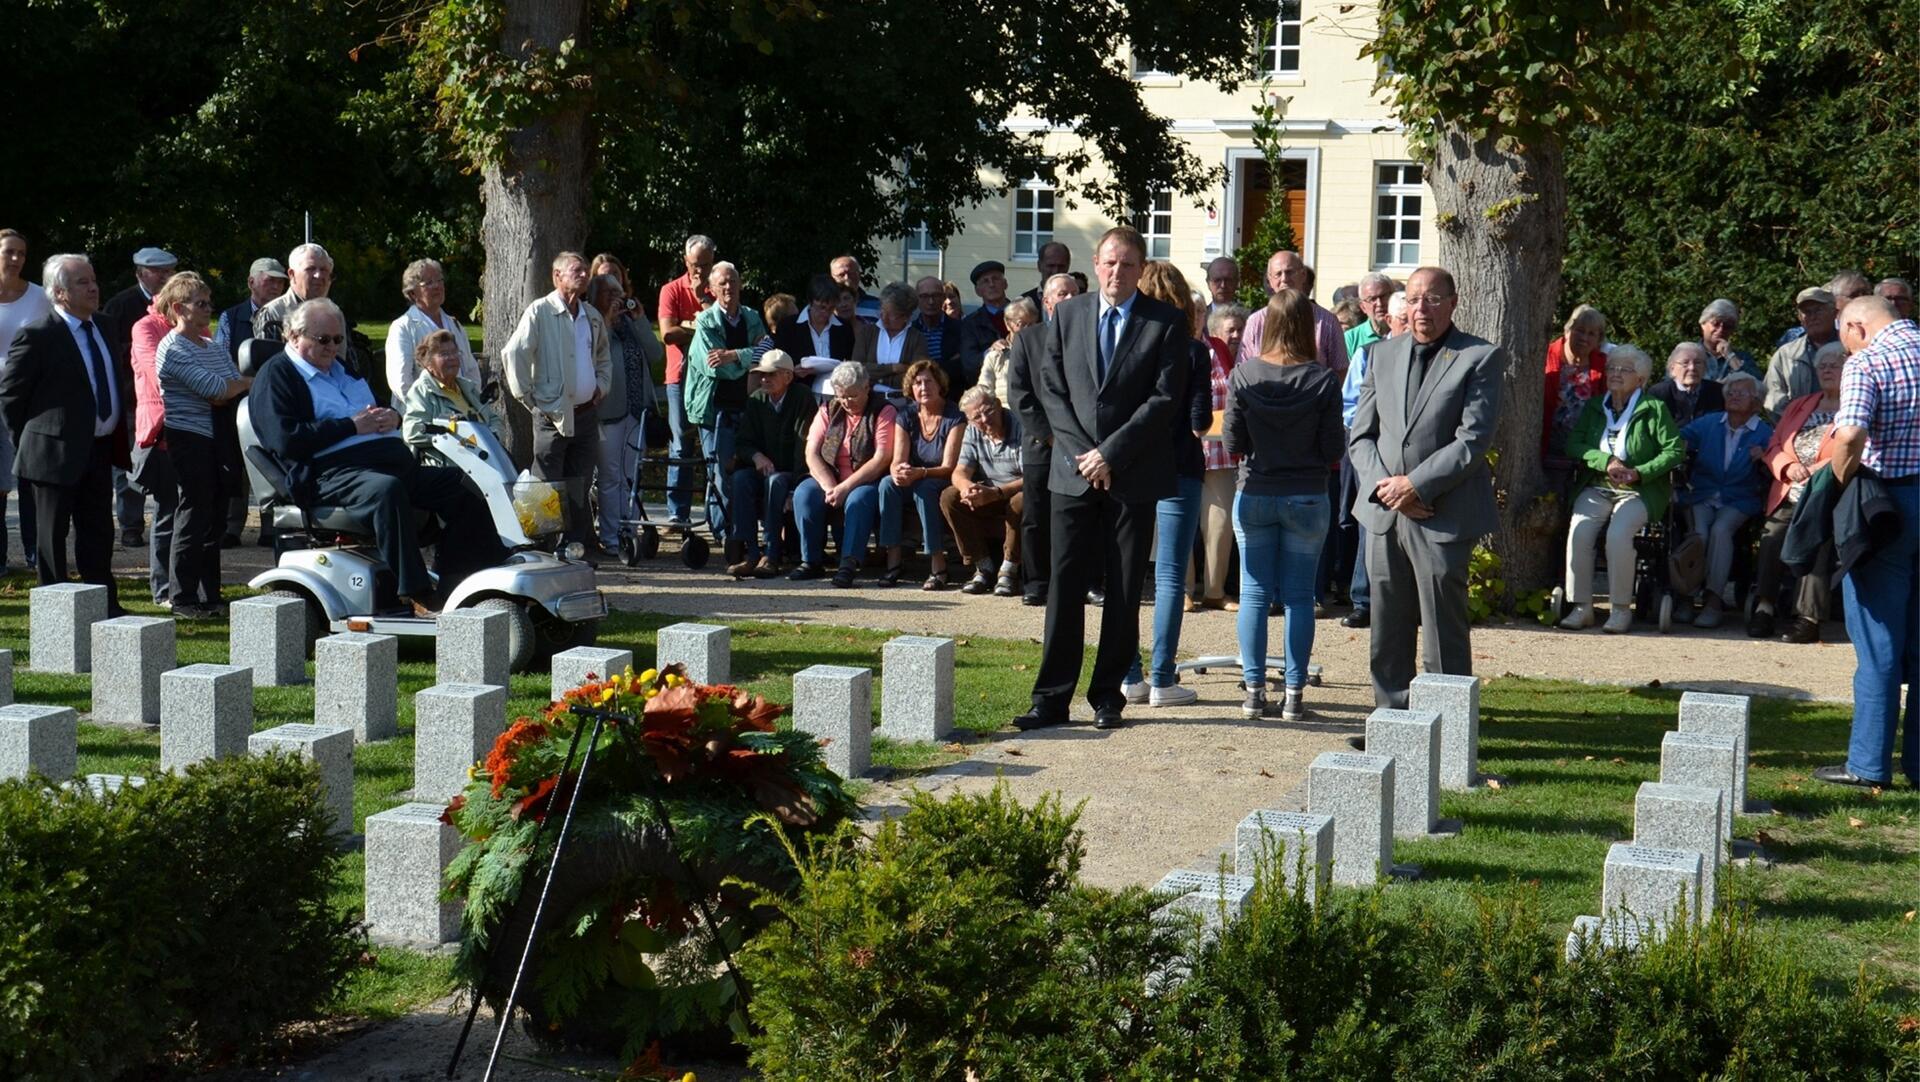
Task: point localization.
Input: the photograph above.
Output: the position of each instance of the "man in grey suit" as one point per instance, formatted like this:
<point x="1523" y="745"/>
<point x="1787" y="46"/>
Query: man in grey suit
<point x="1419" y="448"/>
<point x="1114" y="364"/>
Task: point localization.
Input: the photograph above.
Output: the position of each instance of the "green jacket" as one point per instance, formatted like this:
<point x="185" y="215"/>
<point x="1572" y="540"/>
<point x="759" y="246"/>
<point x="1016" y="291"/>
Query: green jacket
<point x="1654" y="448"/>
<point x="780" y="434"/>
<point x="709" y="334"/>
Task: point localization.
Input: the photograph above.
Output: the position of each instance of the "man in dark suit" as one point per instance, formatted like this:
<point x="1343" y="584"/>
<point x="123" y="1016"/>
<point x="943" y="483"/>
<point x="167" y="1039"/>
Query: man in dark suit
<point x="1036" y="447"/>
<point x="1419" y="444"/>
<point x="1114" y="366"/>
<point x="1687" y="391"/>
<point x="1054" y="258"/>
<point x="986" y="324"/>
<point x="68" y="400"/>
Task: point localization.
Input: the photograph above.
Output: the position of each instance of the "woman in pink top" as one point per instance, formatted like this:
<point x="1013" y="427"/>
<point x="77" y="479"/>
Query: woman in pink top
<point x="152" y="471"/>
<point x="848" y="451"/>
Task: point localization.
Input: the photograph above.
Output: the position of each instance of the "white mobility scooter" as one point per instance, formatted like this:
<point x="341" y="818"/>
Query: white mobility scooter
<point x="325" y="556"/>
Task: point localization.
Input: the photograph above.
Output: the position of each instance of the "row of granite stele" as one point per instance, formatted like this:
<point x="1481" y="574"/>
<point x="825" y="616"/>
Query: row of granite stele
<point x="1357" y="804"/>
<point x="206" y="712"/>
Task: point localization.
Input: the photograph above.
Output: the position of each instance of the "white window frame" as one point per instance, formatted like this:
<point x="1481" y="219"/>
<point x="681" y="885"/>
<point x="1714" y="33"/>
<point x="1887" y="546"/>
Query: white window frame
<point x="1031" y="188"/>
<point x="1274" y="52"/>
<point x="1398" y="189"/>
<point x="1230" y="198"/>
<point x="920" y="241"/>
<point x="1146" y="219"/>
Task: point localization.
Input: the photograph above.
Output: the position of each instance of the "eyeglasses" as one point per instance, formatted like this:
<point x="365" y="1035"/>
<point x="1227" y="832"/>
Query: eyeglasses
<point x="1431" y="300"/>
<point x="201" y="305"/>
<point x="325" y="339"/>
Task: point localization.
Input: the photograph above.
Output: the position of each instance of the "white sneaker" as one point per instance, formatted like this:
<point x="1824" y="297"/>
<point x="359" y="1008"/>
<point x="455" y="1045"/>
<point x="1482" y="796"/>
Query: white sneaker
<point x="1619" y="621"/>
<point x="1579" y="619"/>
<point x="1175" y="695"/>
<point x="1134" y="692"/>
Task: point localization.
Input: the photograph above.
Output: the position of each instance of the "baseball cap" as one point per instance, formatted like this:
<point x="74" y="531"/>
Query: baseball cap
<point x="774" y="360"/>
<point x="1812" y="295"/>
<point x="267" y="266"/>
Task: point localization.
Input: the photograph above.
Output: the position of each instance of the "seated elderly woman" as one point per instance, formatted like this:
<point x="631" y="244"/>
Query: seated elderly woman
<point x="849" y="449"/>
<point x="985" y="497"/>
<point x="1802" y="443"/>
<point x="1626" y="446"/>
<point x="924" y="454"/>
<point x="993" y="369"/>
<point x="1687" y="391"/>
<point x="1725" y="481"/>
<point x="442" y="393"/>
<point x="1576" y="372"/>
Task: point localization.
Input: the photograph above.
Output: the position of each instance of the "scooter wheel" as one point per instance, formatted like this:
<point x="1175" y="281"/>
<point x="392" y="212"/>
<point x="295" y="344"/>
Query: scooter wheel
<point x="1666" y="613"/>
<point x="649" y="543"/>
<point x="629" y="550"/>
<point x="694" y="552"/>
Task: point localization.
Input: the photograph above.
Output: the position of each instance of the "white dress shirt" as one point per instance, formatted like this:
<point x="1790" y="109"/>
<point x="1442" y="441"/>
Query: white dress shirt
<point x="112" y="421"/>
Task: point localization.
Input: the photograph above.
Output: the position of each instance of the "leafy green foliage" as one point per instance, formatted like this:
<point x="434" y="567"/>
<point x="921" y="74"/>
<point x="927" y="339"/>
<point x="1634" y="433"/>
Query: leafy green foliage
<point x="1274" y="231"/>
<point x="188" y="918"/>
<point x="955" y="941"/>
<point x="1753" y="183"/>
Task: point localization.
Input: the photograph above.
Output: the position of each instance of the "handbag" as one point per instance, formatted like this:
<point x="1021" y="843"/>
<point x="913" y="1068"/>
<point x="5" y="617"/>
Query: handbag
<point x="654" y="433"/>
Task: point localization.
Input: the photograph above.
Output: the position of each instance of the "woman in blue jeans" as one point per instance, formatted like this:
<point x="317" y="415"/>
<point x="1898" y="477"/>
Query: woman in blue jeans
<point x="1283" y="418"/>
<point x="1177" y="518"/>
<point x="925" y="450"/>
<point x="848" y="449"/>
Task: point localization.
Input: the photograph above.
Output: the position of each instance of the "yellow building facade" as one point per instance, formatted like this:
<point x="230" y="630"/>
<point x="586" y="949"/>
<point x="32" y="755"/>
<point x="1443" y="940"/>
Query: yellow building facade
<point x="1358" y="202"/>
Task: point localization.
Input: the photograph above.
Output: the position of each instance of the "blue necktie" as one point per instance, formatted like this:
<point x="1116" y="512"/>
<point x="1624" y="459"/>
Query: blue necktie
<point x="1109" y="336"/>
<point x="102" y="389"/>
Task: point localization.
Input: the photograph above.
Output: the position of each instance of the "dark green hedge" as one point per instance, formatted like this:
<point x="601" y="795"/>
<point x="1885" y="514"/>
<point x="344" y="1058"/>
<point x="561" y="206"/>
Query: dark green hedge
<point x="185" y="919"/>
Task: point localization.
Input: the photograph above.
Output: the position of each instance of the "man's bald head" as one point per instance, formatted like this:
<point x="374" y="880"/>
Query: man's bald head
<point x="1863" y="318"/>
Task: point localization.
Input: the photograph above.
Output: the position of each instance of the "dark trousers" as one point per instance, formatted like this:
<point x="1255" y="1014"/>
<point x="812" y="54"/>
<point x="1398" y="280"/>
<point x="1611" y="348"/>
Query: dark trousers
<point x="1096" y="539"/>
<point x="1036" y="523"/>
<point x="1419" y="583"/>
<point x="152" y="474"/>
<point x="380" y="482"/>
<point x="199" y="520"/>
<point x="87" y="507"/>
<point x="569" y="461"/>
<point x="29" y="525"/>
<point x="1337" y="554"/>
<point x="1352" y="533"/>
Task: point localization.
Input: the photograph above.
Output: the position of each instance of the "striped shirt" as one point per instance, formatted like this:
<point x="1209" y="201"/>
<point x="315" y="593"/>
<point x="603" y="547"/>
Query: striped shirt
<point x="192" y="374"/>
<point x="1880" y="392"/>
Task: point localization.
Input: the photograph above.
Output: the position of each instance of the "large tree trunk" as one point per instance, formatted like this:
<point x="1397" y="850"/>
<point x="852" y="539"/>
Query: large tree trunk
<point x="1503" y="233"/>
<point x="536" y="196"/>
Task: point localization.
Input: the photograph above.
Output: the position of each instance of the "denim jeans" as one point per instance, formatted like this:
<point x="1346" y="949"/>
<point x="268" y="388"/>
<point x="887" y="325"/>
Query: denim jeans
<point x="1882" y="596"/>
<point x="759" y="506"/>
<point x="680" y="445"/>
<point x="810" y="508"/>
<point x="1721" y="527"/>
<point x="1280" y="541"/>
<point x="925" y="494"/>
<point x="716" y="443"/>
<point x="1176" y="523"/>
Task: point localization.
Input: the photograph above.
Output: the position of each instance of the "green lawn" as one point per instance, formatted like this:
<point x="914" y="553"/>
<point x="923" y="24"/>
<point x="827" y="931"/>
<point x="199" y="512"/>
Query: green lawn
<point x="1569" y="758"/>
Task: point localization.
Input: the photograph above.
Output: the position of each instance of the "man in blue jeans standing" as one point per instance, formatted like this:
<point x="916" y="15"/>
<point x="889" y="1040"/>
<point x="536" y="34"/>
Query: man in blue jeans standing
<point x="1878" y="428"/>
<point x="681" y="302"/>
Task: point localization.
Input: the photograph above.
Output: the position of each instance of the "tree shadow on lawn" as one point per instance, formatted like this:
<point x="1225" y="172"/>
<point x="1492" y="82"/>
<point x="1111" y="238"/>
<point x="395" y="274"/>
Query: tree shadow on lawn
<point x="1526" y="821"/>
<point x="1826" y="907"/>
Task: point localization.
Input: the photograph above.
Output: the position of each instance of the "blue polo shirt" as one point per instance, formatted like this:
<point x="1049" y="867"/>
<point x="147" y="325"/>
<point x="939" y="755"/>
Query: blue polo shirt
<point x="338" y="393"/>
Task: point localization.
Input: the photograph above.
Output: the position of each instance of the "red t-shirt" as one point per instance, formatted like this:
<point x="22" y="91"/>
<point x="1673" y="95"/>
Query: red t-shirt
<point x="678" y="304"/>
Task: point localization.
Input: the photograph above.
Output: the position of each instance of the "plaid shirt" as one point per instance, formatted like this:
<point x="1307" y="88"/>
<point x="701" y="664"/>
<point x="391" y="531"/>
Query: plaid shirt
<point x="1880" y="392"/>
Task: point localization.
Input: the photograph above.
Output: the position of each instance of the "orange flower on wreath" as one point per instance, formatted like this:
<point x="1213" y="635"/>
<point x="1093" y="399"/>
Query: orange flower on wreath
<point x="524" y="732"/>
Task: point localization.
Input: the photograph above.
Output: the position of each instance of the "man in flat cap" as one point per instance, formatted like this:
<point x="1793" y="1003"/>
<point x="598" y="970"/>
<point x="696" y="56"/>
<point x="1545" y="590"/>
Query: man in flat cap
<point x="1790" y="373"/>
<point x="151" y="269"/>
<point x="266" y="280"/>
<point x="986" y="324"/>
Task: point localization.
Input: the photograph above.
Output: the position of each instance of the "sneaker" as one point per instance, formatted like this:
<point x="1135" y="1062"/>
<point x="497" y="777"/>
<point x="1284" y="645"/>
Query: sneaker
<point x="1134" y="691"/>
<point x="1712" y="616"/>
<point x="1254" y="706"/>
<point x="1619" y="621"/>
<point x="679" y="522"/>
<point x="1293" y="705"/>
<point x="1579" y="619"/>
<point x="1173" y="695"/>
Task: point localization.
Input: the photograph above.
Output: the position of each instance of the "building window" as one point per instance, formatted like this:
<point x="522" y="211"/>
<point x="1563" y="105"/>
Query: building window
<point x="1143" y="68"/>
<point x="1155" y="223"/>
<point x="1396" y="215"/>
<point x="1032" y="217"/>
<point x="920" y="241"/>
<point x="1280" y="52"/>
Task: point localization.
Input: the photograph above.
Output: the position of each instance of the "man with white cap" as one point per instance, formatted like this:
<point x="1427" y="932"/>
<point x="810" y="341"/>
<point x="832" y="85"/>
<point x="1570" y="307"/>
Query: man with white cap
<point x="771" y="447"/>
<point x="151" y="269"/>
<point x="266" y="280"/>
<point x="1790" y="374"/>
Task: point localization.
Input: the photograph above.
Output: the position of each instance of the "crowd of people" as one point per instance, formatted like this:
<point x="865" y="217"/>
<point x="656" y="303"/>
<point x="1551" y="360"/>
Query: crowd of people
<point x="1113" y="446"/>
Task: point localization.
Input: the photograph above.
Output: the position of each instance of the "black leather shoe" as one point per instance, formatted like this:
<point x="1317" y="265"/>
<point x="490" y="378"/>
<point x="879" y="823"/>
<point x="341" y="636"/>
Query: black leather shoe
<point x="1096" y="597"/>
<point x="843" y="578"/>
<point x="1357" y="618"/>
<point x="807" y="571"/>
<point x="1840" y="775"/>
<point x="1038" y="719"/>
<point x="1802" y="631"/>
<point x="1760" y="624"/>
<point x="1036" y="600"/>
<point x="1107" y="719"/>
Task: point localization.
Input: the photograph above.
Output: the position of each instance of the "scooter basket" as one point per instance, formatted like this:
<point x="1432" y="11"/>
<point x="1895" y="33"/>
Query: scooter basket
<point x="541" y="507"/>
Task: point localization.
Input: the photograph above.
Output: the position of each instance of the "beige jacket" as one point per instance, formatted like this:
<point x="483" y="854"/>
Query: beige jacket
<point x="538" y="360"/>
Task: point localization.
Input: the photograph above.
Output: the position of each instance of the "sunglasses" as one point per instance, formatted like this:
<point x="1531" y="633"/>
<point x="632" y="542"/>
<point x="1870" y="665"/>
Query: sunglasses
<point x="325" y="339"/>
